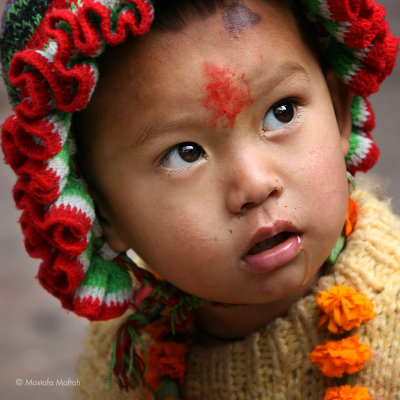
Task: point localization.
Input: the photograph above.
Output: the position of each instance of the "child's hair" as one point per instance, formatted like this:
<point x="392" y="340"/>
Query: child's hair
<point x="174" y="15"/>
<point x="48" y="54"/>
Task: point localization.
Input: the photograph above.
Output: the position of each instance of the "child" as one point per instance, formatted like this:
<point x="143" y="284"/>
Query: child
<point x="216" y="147"/>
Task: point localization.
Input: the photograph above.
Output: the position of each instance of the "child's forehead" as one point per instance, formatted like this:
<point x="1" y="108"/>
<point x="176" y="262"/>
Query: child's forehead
<point x="247" y="45"/>
<point x="233" y="32"/>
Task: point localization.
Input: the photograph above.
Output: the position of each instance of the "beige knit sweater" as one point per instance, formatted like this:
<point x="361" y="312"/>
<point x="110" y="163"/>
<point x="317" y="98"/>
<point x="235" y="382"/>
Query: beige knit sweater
<point x="273" y="362"/>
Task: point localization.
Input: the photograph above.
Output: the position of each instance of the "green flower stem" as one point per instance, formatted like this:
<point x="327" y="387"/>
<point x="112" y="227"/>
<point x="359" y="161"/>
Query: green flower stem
<point x="167" y="388"/>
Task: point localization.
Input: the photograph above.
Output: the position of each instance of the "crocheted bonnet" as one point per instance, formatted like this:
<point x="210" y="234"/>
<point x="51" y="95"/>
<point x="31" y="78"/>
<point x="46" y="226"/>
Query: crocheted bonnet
<point x="48" y="54"/>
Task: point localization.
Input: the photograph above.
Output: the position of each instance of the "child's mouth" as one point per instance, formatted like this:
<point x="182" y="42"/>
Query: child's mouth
<point x="269" y="243"/>
<point x="273" y="247"/>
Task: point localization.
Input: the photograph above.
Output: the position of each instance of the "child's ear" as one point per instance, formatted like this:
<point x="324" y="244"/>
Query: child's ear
<point x="111" y="234"/>
<point x="342" y="97"/>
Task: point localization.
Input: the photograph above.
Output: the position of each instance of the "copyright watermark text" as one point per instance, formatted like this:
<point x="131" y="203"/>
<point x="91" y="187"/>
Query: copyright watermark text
<point x="47" y="382"/>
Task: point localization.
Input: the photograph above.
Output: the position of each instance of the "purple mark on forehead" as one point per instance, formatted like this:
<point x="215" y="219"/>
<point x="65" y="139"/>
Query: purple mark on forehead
<point x="238" y="17"/>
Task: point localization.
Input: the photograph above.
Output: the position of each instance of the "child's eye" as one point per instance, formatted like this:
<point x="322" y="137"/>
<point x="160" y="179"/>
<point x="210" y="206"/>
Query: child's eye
<point x="182" y="155"/>
<point x="279" y="115"/>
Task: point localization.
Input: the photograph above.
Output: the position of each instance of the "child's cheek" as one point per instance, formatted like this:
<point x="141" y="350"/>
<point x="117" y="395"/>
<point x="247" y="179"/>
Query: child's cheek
<point x="182" y="227"/>
<point x="326" y="183"/>
<point x="226" y="95"/>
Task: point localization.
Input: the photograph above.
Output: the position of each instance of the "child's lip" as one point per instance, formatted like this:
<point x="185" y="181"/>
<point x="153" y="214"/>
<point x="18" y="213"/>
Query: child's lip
<point x="278" y="255"/>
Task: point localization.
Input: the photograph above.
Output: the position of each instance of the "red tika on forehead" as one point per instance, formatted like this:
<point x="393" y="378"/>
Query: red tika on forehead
<point x="226" y="95"/>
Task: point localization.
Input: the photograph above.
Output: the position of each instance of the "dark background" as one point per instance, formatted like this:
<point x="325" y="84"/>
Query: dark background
<point x="39" y="340"/>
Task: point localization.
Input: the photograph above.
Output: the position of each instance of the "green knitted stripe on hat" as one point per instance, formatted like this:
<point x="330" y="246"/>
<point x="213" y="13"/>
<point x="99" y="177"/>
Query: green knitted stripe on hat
<point x="95" y="70"/>
<point x="342" y="59"/>
<point x="60" y="165"/>
<point x="313" y="6"/>
<point x="354" y="145"/>
<point x="62" y="123"/>
<point x="356" y="106"/>
<point x="75" y="196"/>
<point x="331" y="27"/>
<point x="85" y="257"/>
<point x="359" y="112"/>
<point x="114" y="6"/>
<point x="61" y="162"/>
<point x="115" y="14"/>
<point x="49" y="50"/>
<point x="322" y="14"/>
<point x="103" y="278"/>
<point x="62" y="156"/>
<point x="360" y="146"/>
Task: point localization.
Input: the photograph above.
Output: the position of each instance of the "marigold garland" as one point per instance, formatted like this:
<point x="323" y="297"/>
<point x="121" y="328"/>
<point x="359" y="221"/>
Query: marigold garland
<point x="166" y="359"/>
<point x="160" y="330"/>
<point x="349" y="226"/>
<point x="344" y="309"/>
<point x="347" y="393"/>
<point x="334" y="358"/>
<point x="351" y="217"/>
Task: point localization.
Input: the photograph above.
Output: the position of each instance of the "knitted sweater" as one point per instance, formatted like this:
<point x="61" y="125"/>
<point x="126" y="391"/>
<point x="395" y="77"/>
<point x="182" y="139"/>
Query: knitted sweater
<point x="273" y="362"/>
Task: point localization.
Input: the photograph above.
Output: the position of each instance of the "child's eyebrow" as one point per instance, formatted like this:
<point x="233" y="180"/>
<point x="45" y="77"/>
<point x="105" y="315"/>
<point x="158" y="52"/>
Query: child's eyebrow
<point x="288" y="71"/>
<point x="152" y="130"/>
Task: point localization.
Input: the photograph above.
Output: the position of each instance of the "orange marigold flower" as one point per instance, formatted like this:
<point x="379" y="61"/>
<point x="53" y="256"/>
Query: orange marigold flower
<point x="161" y="328"/>
<point x="335" y="358"/>
<point x="351" y="217"/>
<point x="347" y="393"/>
<point x="166" y="359"/>
<point x="344" y="309"/>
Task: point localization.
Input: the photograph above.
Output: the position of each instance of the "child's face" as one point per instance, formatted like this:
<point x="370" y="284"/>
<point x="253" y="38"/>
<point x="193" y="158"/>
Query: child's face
<point x="206" y="141"/>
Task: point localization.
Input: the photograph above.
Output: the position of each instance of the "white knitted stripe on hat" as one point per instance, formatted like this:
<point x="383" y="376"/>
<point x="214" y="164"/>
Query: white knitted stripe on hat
<point x="84" y="259"/>
<point x="96" y="292"/>
<point x="355" y="69"/>
<point x="364" y="146"/>
<point x="362" y="115"/>
<point x="107" y="253"/>
<point x="342" y="30"/>
<point x="324" y="9"/>
<point x="49" y="50"/>
<point x="76" y="202"/>
<point x="60" y="127"/>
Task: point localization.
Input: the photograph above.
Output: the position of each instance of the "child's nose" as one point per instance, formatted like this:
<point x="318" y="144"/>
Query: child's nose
<point x="252" y="181"/>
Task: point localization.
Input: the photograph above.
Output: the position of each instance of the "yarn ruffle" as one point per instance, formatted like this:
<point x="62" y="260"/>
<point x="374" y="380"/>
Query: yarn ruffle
<point x="54" y="76"/>
<point x="362" y="52"/>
